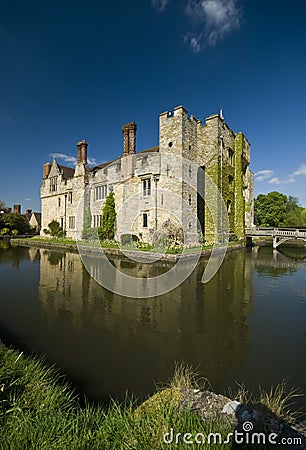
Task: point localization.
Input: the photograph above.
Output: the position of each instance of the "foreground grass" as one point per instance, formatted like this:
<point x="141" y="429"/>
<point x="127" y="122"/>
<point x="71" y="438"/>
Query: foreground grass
<point x="40" y="411"/>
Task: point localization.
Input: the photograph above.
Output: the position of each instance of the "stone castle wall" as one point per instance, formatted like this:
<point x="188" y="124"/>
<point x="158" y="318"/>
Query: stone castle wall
<point x="185" y="144"/>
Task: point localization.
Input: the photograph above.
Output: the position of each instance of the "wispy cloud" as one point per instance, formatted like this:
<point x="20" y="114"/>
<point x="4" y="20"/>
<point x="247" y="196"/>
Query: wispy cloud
<point x="290" y="179"/>
<point x="214" y="19"/>
<point x="72" y="159"/>
<point x="263" y="175"/>
<point x="160" y="5"/>
<point x="274" y="180"/>
<point x="301" y="170"/>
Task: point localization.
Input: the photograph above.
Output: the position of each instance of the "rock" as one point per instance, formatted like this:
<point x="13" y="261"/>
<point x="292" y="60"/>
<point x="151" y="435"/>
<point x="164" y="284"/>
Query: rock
<point x="231" y="407"/>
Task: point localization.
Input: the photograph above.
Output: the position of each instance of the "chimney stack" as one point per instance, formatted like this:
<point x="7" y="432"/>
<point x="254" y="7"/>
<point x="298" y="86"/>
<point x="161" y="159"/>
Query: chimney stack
<point x="129" y="138"/>
<point x="47" y="168"/>
<point x="132" y="137"/>
<point x="82" y="151"/>
<point x="17" y="209"/>
<point x="125" y="131"/>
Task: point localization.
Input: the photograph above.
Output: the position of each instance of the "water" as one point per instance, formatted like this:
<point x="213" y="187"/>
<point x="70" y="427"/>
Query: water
<point x="247" y="325"/>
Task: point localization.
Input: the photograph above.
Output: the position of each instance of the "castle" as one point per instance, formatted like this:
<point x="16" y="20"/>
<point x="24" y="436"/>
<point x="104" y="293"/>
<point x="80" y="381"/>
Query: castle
<point x="159" y="184"/>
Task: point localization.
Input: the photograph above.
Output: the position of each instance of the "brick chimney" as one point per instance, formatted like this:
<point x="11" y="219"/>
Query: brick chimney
<point x="125" y="131"/>
<point x="47" y="168"/>
<point x="82" y="151"/>
<point x="17" y="209"/>
<point x="129" y="138"/>
<point x="132" y="137"/>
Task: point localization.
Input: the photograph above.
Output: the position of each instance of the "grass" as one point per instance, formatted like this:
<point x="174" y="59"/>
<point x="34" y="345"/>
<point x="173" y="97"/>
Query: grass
<point x="39" y="410"/>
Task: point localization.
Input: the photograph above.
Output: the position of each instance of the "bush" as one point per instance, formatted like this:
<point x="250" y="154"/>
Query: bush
<point x="128" y="239"/>
<point x="54" y="229"/>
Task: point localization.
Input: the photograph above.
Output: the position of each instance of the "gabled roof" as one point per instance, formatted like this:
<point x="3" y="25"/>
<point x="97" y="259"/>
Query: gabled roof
<point x="68" y="172"/>
<point x="37" y="216"/>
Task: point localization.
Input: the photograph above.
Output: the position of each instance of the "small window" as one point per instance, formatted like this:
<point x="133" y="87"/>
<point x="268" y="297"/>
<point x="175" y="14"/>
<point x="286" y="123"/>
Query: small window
<point x="53" y="184"/>
<point x="62" y="222"/>
<point x="100" y="192"/>
<point x="190" y="225"/>
<point x="71" y="222"/>
<point x="145" y="220"/>
<point x="59" y="202"/>
<point x="146" y="186"/>
<point x="189" y="199"/>
<point x="230" y="181"/>
<point x="170" y="144"/>
<point x="228" y="205"/>
<point x="96" y="221"/>
<point x="70" y="197"/>
<point x="230" y="154"/>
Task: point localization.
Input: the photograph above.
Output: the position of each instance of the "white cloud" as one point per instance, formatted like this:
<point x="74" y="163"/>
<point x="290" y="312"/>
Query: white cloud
<point x="290" y="180"/>
<point x="301" y="170"/>
<point x="263" y="175"/>
<point x="274" y="180"/>
<point x="68" y="159"/>
<point x="217" y="18"/>
<point x="160" y="5"/>
<point x="72" y="159"/>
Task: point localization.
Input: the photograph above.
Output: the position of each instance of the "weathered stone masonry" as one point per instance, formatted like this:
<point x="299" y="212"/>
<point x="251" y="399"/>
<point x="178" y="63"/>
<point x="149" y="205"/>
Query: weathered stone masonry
<point x="157" y="184"/>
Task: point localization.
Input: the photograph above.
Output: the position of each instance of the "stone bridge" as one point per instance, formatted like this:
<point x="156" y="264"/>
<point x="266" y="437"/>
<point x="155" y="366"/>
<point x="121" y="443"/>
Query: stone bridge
<point x="280" y="235"/>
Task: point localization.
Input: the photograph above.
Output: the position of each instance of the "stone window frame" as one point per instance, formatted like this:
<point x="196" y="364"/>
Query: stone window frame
<point x="71" y="222"/>
<point x="145" y="220"/>
<point x="70" y="197"/>
<point x="53" y="184"/>
<point x="146" y="186"/>
<point x="59" y="202"/>
<point x="101" y="192"/>
<point x="96" y="220"/>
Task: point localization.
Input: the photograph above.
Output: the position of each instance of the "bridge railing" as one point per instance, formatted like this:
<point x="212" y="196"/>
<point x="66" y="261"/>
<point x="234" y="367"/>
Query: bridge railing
<point x="262" y="231"/>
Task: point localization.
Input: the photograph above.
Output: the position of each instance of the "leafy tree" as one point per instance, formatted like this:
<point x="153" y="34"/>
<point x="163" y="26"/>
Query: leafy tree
<point x="107" y="229"/>
<point x="16" y="222"/>
<point x="2" y="204"/>
<point x="270" y="209"/>
<point x="87" y="225"/>
<point x="54" y="229"/>
<point x="278" y="210"/>
<point x="295" y="214"/>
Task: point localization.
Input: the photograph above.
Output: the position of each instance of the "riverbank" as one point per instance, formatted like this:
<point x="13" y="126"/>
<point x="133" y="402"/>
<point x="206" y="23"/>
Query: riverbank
<point x="39" y="410"/>
<point x="92" y="248"/>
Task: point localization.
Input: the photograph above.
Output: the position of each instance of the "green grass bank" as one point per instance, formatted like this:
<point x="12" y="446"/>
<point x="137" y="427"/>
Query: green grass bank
<point x="39" y="410"/>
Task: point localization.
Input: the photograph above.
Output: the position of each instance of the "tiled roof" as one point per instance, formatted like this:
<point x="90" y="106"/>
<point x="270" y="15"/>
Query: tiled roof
<point x="67" y="172"/>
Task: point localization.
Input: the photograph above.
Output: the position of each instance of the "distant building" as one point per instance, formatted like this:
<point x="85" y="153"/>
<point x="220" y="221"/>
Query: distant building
<point x="148" y="185"/>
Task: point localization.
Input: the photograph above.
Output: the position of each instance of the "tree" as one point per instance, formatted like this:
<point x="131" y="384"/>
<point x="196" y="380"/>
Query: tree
<point x="107" y="229"/>
<point x="270" y="209"/>
<point x="295" y="214"/>
<point x="278" y="210"/>
<point x="15" y="223"/>
<point x="54" y="229"/>
<point x="87" y="231"/>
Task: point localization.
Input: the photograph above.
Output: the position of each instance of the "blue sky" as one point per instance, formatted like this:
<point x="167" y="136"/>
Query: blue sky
<point x="79" y="70"/>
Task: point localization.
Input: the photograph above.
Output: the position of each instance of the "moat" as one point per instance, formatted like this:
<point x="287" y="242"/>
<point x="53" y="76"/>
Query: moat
<point x="247" y="325"/>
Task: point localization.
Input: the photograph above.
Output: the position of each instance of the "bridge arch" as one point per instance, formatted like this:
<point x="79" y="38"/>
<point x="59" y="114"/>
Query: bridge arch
<point x="280" y="240"/>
